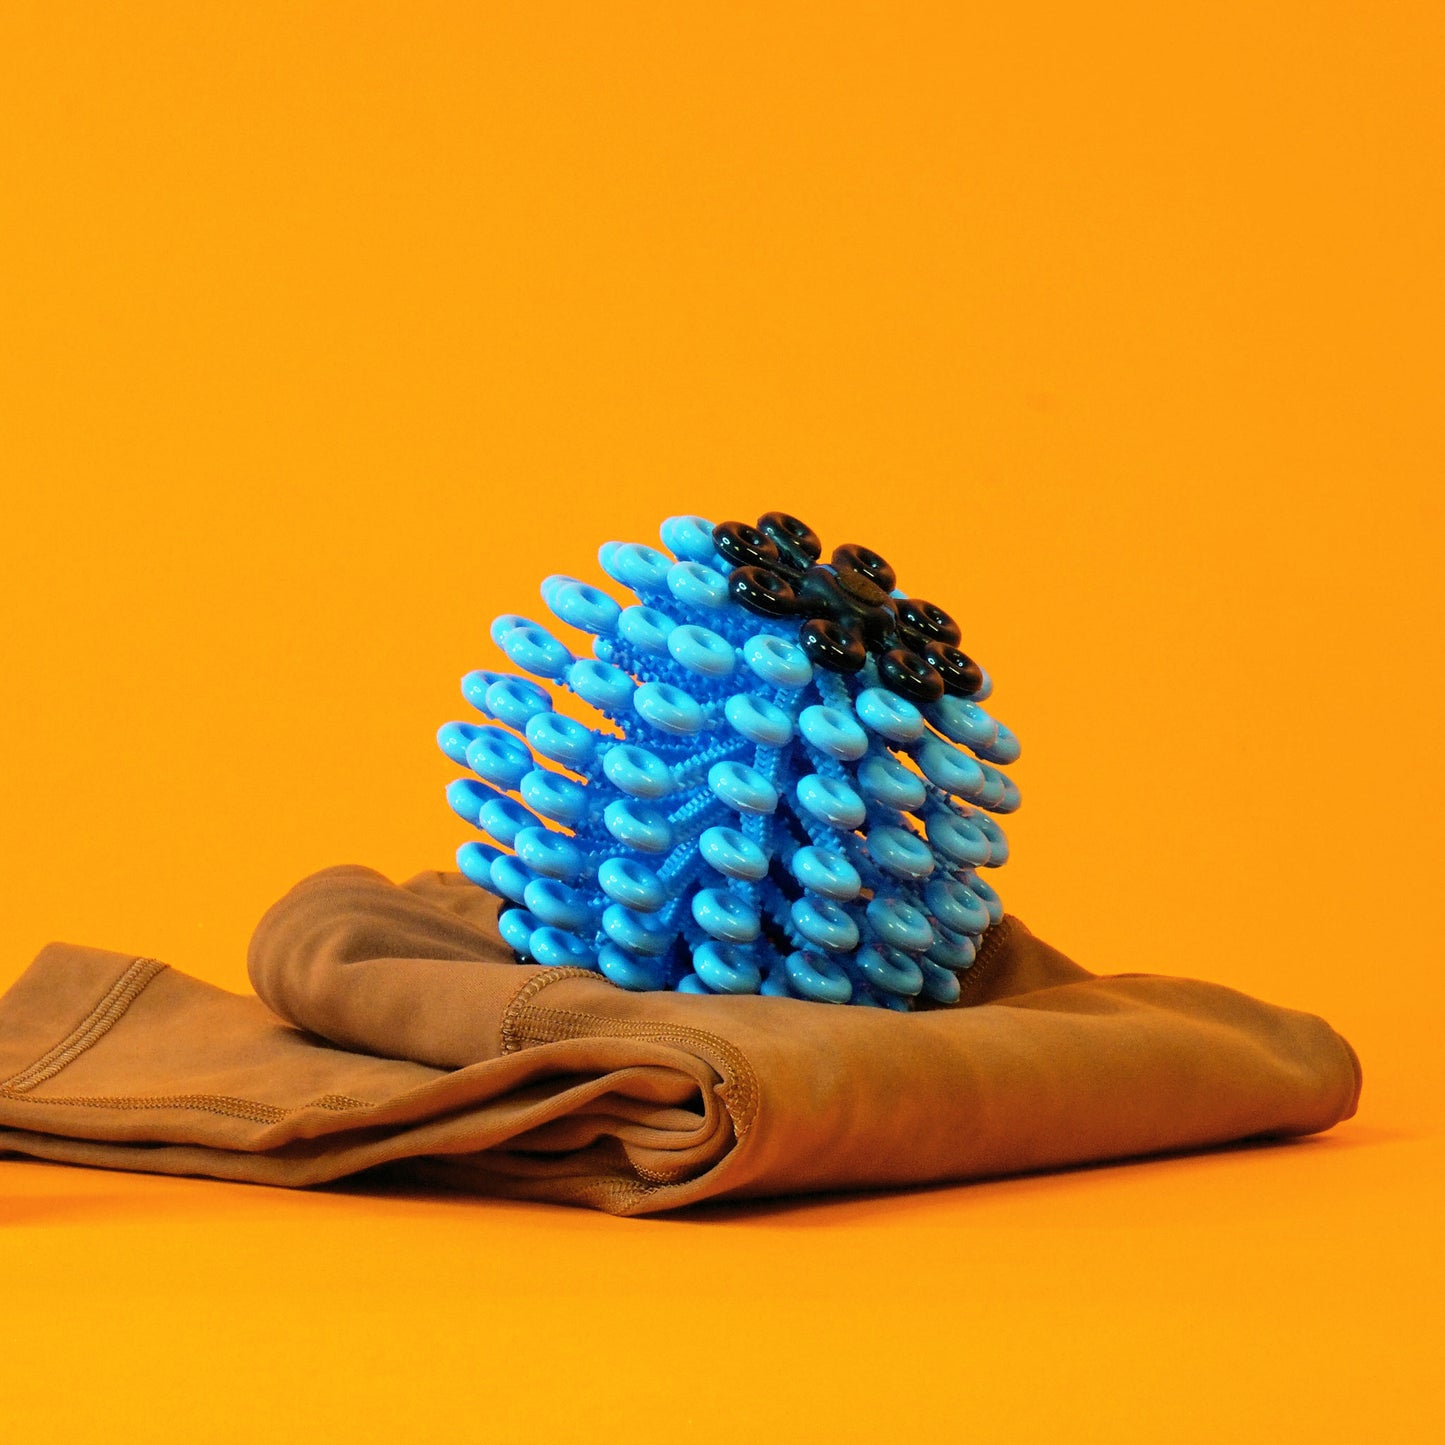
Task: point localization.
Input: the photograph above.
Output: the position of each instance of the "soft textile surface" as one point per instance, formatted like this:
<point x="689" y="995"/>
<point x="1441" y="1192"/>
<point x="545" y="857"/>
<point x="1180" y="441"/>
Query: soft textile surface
<point x="393" y="1027"/>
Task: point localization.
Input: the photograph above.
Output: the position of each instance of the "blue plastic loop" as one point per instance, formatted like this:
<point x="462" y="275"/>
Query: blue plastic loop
<point x="466" y="798"/>
<point x="885" y="780"/>
<point x="535" y="650"/>
<point x="556" y="948"/>
<point x="833" y="731"/>
<point x="725" y="915"/>
<point x="900" y="852"/>
<point x="646" y="629"/>
<point x="636" y="771"/>
<point x="641" y="975"/>
<point x="726" y="969"/>
<point x="825" y="923"/>
<point x="960" y="840"/>
<point x="561" y="739"/>
<point x="554" y="796"/>
<point x="900" y="924"/>
<point x="826" y="872"/>
<point x="889" y="714"/>
<point x="695" y="585"/>
<point x="504" y="819"/>
<point x="742" y="787"/>
<point x="638" y="825"/>
<point x="516" y="925"/>
<point x="953" y="950"/>
<point x="506" y="622"/>
<point x="963" y="721"/>
<point x="995" y="787"/>
<point x="815" y="976"/>
<point x="985" y="891"/>
<point x="514" y="701"/>
<point x="625" y="881"/>
<point x="1011" y="799"/>
<point x="831" y="800"/>
<point x="454" y="738"/>
<point x="474" y="861"/>
<point x="475" y="685"/>
<point x="634" y="565"/>
<point x="758" y="720"/>
<point x="939" y="984"/>
<point x="1004" y="749"/>
<point x="688" y="537"/>
<point x="604" y="686"/>
<point x="997" y="843"/>
<point x="950" y="769"/>
<point x="588" y="609"/>
<point x="550" y="854"/>
<point x="701" y="650"/>
<point x="733" y="854"/>
<point x="635" y="932"/>
<point x="556" y="904"/>
<point x="510" y="877"/>
<point x="668" y="708"/>
<point x="691" y="983"/>
<point x="984" y="691"/>
<point x="955" y="906"/>
<point x="890" y="972"/>
<point x="778" y="661"/>
<point x="499" y="758"/>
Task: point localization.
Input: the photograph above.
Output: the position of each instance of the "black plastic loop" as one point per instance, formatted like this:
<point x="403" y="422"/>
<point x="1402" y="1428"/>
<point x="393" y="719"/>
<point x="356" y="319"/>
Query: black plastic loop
<point x="929" y="620"/>
<point x="831" y="646"/>
<point x="744" y="546"/>
<point x="961" y="675"/>
<point x="794" y="539"/>
<point x="868" y="562"/>
<point x="910" y="675"/>
<point x="763" y="591"/>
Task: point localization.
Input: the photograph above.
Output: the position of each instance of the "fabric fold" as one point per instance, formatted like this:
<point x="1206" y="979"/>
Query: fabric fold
<point x="391" y="1026"/>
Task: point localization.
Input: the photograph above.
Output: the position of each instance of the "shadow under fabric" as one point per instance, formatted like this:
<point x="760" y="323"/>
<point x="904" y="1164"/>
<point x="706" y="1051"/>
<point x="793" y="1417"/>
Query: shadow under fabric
<point x="392" y="1026"/>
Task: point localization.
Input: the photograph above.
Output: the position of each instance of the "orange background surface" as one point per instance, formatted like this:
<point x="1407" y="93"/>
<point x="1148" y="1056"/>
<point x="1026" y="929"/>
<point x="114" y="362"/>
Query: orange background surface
<point x="329" y="329"/>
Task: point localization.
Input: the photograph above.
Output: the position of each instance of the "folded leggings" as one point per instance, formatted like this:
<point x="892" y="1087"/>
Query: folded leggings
<point x="391" y="1027"/>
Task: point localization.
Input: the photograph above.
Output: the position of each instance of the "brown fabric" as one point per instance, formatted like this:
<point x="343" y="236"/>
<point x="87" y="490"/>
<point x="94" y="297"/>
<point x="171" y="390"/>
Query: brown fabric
<point x="398" y="1029"/>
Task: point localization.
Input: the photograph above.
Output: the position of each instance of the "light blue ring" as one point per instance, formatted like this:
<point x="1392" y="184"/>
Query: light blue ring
<point x="701" y="650"/>
<point x="742" y="787"/>
<point x="515" y="701"/>
<point x="557" y="905"/>
<point x="778" y="661"/>
<point x="503" y="820"/>
<point x="588" y="609"/>
<point x="956" y="906"/>
<point x="636" y="974"/>
<point x="758" y="720"/>
<point x="509" y="877"/>
<point x="626" y="881"/>
<point x="634" y="932"/>
<point x="939" y="984"/>
<point x="638" y="825"/>
<point x="900" y="924"/>
<point x="900" y="852"/>
<point x="636" y="771"/>
<point x="725" y="915"/>
<point x="883" y="779"/>
<point x="535" y="650"/>
<point x="889" y="714"/>
<point x="892" y="972"/>
<point x="946" y="767"/>
<point x="561" y="739"/>
<point x="550" y="854"/>
<point x="554" y="796"/>
<point x="960" y="840"/>
<point x="454" y="738"/>
<point x="726" y="969"/>
<point x="695" y="585"/>
<point x="499" y="758"/>
<point x="831" y="800"/>
<point x="733" y="854"/>
<point x="669" y="708"/>
<point x="688" y="537"/>
<point x="634" y="565"/>
<point x="556" y="948"/>
<point x="817" y="977"/>
<point x="474" y="861"/>
<point x="833" y="731"/>
<point x="604" y="686"/>
<point x="645" y="628"/>
<point x="516" y="925"/>
<point x="825" y="923"/>
<point x="823" y="871"/>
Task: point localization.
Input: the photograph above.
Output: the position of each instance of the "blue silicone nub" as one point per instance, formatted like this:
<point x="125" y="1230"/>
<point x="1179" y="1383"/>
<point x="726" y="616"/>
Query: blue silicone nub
<point x="786" y="785"/>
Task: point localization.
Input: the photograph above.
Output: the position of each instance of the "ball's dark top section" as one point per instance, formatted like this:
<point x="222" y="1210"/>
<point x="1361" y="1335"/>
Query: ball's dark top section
<point x="847" y="608"/>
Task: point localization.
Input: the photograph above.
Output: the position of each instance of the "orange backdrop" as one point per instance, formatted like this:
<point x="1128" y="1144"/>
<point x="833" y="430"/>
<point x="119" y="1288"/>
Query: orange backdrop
<point x="329" y="329"/>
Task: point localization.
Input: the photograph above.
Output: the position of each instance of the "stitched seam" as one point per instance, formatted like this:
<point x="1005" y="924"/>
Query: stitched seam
<point x="989" y="950"/>
<point x="96" y="1024"/>
<point x="543" y="1025"/>
<point x="223" y="1104"/>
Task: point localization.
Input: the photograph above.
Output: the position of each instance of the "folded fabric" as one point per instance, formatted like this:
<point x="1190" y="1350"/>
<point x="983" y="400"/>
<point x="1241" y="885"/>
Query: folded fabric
<point x="393" y="1027"/>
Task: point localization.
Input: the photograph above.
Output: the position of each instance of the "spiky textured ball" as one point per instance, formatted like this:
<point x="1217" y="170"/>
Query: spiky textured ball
<point x="786" y="787"/>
